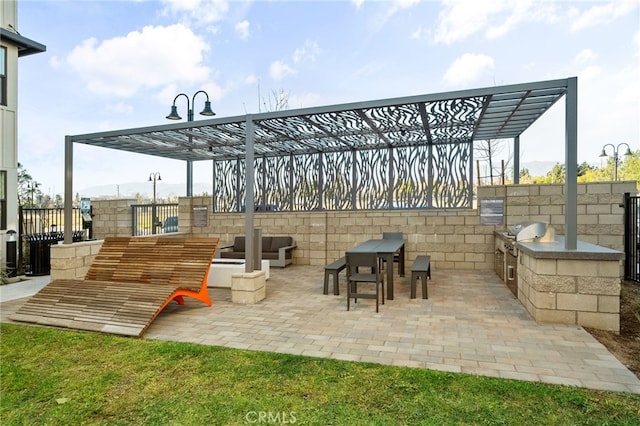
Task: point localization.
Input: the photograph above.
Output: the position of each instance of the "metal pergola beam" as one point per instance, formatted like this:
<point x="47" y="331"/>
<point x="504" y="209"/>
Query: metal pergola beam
<point x="506" y="112"/>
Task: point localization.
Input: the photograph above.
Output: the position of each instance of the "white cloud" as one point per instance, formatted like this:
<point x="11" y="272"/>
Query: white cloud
<point x="305" y="100"/>
<point x="421" y="33"/>
<point x="119" y="108"/>
<point x="152" y="58"/>
<point x="602" y="14"/>
<point x="242" y="28"/>
<point x="460" y="19"/>
<point x="279" y="70"/>
<point x="198" y="11"/>
<point x="391" y="8"/>
<point x="589" y="73"/>
<point x="585" y="56"/>
<point x="251" y="79"/>
<point x="467" y="69"/>
<point x="357" y="3"/>
<point x="306" y="53"/>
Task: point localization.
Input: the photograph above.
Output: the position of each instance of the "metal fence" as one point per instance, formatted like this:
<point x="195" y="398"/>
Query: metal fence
<point x="39" y="228"/>
<point x="632" y="237"/>
<point x="151" y="219"/>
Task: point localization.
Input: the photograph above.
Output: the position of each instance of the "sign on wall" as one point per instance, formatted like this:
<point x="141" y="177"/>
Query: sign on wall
<point x="200" y="216"/>
<point x="492" y="211"/>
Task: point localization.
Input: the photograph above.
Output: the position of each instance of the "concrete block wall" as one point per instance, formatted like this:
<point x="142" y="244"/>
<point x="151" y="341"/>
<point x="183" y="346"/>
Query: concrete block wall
<point x="72" y="261"/>
<point x="112" y="218"/>
<point x="571" y="291"/>
<point x="454" y="238"/>
<point x="600" y="214"/>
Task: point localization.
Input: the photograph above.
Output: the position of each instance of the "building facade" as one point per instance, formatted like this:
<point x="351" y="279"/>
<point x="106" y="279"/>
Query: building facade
<point x="13" y="46"/>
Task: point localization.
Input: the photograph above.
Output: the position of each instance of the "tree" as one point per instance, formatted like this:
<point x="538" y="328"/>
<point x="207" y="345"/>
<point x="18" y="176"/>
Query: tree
<point x="277" y="101"/>
<point x="488" y="151"/>
<point x="558" y="173"/>
<point x="629" y="169"/>
<point x="29" y="194"/>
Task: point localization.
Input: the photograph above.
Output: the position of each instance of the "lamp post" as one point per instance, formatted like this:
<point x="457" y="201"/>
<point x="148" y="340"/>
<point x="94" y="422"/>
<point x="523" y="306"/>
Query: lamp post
<point x="616" y="157"/>
<point x="153" y="177"/>
<point x="31" y="189"/>
<point x="173" y="115"/>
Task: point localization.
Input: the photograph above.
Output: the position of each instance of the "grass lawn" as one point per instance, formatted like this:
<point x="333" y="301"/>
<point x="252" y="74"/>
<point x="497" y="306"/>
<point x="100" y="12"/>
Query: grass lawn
<point x="58" y="377"/>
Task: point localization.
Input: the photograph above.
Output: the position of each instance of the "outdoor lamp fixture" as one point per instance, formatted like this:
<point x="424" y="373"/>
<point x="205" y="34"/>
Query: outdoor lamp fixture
<point x="173" y="115"/>
<point x="152" y="178"/>
<point x="616" y="157"/>
<point x="11" y="235"/>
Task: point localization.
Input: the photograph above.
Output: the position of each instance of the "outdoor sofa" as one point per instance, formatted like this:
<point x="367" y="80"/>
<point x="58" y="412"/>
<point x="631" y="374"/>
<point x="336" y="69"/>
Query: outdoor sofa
<point x="278" y="250"/>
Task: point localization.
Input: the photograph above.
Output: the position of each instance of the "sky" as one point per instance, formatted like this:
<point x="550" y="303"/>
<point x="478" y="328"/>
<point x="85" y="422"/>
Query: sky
<point x="119" y="64"/>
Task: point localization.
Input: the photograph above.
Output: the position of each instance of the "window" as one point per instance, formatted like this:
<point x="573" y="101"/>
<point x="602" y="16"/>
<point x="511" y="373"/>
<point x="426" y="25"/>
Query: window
<point x="3" y="75"/>
<point x="3" y="199"/>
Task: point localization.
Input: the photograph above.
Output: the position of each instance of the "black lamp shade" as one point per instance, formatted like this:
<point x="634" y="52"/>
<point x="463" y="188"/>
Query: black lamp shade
<point x="207" y="109"/>
<point x="174" y="114"/>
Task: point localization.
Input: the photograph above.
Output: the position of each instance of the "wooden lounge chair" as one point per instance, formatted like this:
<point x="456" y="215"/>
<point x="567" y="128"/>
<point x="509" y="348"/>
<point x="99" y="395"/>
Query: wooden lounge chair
<point x="128" y="284"/>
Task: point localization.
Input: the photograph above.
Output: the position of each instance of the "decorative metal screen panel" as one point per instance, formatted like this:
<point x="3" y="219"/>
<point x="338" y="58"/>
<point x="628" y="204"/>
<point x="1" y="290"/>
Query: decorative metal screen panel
<point x="411" y="187"/>
<point x="452" y="180"/>
<point x="337" y="173"/>
<point x="371" y="179"/>
<point x="423" y="176"/>
<point x="228" y="185"/>
<point x="306" y="182"/>
<point x="273" y="183"/>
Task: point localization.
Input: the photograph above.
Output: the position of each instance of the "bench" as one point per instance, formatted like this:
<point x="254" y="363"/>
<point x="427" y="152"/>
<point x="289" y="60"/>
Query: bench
<point x="131" y="280"/>
<point x="333" y="269"/>
<point x="421" y="269"/>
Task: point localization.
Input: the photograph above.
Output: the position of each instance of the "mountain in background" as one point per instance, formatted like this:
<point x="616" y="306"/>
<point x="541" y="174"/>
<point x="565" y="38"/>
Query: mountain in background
<point x="129" y="190"/>
<point x="166" y="190"/>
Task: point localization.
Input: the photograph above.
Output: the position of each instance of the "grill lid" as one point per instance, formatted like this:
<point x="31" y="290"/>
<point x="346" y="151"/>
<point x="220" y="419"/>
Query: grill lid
<point x="528" y="230"/>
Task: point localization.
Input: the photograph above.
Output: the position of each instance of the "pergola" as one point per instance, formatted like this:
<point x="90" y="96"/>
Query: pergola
<point x="442" y="126"/>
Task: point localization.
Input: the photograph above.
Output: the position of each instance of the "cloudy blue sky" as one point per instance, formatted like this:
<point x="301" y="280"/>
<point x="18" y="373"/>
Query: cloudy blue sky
<point x="119" y="64"/>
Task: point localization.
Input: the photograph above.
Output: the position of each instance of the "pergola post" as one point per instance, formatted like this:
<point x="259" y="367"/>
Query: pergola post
<point x="189" y="178"/>
<point x="249" y="202"/>
<point x="516" y="160"/>
<point x="571" y="165"/>
<point x="68" y="190"/>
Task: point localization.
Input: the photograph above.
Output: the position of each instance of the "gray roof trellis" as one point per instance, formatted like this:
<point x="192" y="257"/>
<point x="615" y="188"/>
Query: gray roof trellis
<point x="461" y="116"/>
<point x="498" y="112"/>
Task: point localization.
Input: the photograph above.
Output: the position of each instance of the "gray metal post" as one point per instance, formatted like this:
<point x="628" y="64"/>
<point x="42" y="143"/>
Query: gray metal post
<point x="257" y="249"/>
<point x="189" y="176"/>
<point x="68" y="190"/>
<point x="516" y="160"/>
<point x="571" y="165"/>
<point x="249" y="203"/>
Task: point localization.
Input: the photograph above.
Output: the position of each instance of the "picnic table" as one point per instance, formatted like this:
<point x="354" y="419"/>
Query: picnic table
<point x="385" y="249"/>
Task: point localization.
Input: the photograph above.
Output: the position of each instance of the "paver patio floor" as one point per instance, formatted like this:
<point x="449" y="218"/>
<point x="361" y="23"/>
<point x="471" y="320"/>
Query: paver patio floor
<point x="471" y="323"/>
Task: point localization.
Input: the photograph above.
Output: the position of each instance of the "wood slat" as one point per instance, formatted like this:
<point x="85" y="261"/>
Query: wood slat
<point x="129" y="282"/>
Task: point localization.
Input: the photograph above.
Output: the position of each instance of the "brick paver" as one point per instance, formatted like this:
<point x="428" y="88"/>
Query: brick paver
<point x="471" y="323"/>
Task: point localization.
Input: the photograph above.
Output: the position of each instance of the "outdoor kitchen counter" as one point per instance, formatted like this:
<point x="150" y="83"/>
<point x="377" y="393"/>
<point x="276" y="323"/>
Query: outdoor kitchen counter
<point x="556" y="250"/>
